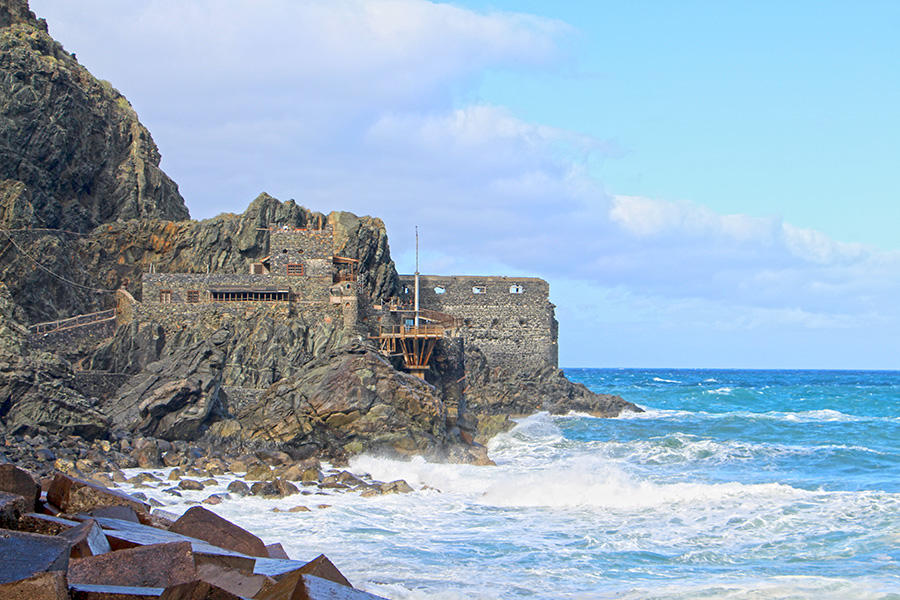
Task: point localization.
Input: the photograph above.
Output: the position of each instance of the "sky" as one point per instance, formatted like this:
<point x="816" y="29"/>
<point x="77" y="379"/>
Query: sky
<point x="704" y="184"/>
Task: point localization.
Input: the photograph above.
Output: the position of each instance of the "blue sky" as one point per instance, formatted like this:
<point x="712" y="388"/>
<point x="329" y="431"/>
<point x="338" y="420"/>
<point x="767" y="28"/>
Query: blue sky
<point x="703" y="184"/>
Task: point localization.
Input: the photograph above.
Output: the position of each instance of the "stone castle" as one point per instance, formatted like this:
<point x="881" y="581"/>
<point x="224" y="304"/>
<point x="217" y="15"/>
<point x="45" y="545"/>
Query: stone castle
<point x="510" y="319"/>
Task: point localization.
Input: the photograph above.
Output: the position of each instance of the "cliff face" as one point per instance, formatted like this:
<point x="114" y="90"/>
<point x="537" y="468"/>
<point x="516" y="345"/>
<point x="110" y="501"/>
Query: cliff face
<point x="73" y="154"/>
<point x="85" y="210"/>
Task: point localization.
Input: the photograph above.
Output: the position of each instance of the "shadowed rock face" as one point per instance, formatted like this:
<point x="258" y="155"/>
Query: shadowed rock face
<point x="176" y="398"/>
<point x="35" y="392"/>
<point x="348" y="401"/>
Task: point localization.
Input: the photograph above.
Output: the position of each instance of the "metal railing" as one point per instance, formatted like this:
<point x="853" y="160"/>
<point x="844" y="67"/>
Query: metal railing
<point x="78" y="321"/>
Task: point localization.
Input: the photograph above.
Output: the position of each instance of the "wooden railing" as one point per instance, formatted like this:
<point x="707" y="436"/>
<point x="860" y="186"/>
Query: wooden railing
<point x="103" y="315"/>
<point x="411" y="331"/>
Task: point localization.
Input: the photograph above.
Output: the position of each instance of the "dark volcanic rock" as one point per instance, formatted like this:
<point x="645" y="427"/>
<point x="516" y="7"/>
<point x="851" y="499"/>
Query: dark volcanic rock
<point x="73" y="155"/>
<point x="176" y="398"/>
<point x="35" y="388"/>
<point x="510" y="392"/>
<point x="72" y="141"/>
<point x="349" y="401"/>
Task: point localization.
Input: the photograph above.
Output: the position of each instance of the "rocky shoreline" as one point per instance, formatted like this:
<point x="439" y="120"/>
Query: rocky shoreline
<point x="264" y="473"/>
<point x="65" y="538"/>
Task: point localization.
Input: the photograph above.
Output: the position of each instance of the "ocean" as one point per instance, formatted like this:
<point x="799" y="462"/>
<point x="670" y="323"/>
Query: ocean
<point x="734" y="484"/>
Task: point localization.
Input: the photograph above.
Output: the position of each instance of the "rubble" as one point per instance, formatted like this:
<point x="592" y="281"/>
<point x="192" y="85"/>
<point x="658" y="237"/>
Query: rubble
<point x="102" y="544"/>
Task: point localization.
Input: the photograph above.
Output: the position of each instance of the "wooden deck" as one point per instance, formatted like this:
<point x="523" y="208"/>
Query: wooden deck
<point x="414" y="342"/>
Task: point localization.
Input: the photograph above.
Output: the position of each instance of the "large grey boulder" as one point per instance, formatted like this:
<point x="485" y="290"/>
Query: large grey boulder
<point x="349" y="401"/>
<point x="176" y="398"/>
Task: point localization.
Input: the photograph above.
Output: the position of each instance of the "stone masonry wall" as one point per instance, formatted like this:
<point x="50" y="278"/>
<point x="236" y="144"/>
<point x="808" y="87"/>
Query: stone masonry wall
<point x="71" y="336"/>
<point x="311" y="289"/>
<point x="311" y="248"/>
<point x="510" y="318"/>
<point x="178" y="316"/>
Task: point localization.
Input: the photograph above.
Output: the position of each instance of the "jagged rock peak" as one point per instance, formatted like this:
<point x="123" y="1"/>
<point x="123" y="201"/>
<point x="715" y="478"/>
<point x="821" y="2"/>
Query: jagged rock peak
<point x="73" y="154"/>
<point x="16" y="11"/>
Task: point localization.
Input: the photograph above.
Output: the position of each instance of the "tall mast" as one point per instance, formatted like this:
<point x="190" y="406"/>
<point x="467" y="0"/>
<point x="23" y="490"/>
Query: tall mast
<point x="417" y="276"/>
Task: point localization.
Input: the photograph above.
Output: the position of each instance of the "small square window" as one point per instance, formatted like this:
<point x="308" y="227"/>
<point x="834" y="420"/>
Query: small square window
<point x="516" y="289"/>
<point x="193" y="296"/>
<point x="165" y="296"/>
<point x="478" y="289"/>
<point x="439" y="290"/>
<point x="295" y="269"/>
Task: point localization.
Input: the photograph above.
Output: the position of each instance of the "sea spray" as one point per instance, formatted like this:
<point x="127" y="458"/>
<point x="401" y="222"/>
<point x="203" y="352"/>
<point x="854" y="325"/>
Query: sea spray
<point x="788" y="487"/>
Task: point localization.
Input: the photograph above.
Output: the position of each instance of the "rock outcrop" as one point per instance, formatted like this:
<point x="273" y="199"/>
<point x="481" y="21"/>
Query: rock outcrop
<point x="177" y="398"/>
<point x="507" y="391"/>
<point x="349" y="401"/>
<point x="73" y="154"/>
<point x="36" y="392"/>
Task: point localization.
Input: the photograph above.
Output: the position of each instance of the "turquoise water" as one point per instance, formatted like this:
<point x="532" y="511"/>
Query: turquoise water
<point x="733" y="485"/>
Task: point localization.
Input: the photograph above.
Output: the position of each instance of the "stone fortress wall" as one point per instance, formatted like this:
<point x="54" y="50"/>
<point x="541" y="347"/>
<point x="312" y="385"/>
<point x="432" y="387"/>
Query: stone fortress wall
<point x="510" y="318"/>
<point x="306" y="289"/>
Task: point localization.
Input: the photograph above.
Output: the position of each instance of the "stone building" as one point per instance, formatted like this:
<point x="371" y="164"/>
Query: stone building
<point x="301" y="276"/>
<point x="510" y="319"/>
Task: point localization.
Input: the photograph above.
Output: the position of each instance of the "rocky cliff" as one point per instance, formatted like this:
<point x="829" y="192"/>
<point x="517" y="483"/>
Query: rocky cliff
<point x="73" y="154"/>
<point x="85" y="210"/>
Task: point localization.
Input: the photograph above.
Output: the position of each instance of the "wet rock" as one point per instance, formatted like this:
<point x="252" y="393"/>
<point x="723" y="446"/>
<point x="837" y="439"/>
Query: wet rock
<point x="286" y="488"/>
<point x="76" y="495"/>
<point x="259" y="472"/>
<point x="238" y="487"/>
<point x="190" y="485"/>
<point x="396" y="487"/>
<point x="267" y="489"/>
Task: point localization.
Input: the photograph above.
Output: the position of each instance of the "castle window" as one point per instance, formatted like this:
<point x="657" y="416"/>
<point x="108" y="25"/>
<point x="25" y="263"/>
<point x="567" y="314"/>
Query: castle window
<point x="257" y="269"/>
<point x="295" y="269"/>
<point x="193" y="296"/>
<point x="478" y="289"/>
<point x="439" y="289"/>
<point x="165" y="296"/>
<point x="516" y="289"/>
<point x="405" y="289"/>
